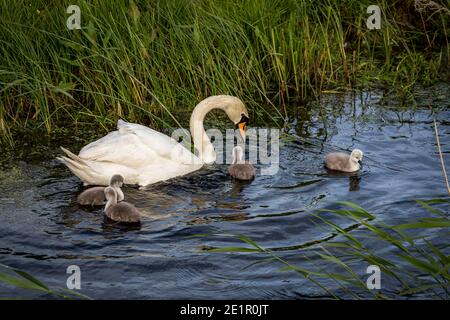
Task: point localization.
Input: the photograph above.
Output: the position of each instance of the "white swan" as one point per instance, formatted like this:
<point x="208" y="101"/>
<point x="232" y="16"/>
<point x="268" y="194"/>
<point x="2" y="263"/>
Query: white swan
<point x="144" y="156"/>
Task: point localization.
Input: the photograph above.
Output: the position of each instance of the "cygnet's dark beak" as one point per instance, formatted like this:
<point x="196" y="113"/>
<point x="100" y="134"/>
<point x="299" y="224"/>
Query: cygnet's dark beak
<point x="360" y="162"/>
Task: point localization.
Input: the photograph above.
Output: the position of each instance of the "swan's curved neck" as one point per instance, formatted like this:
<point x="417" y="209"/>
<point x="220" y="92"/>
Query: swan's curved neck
<point x="201" y="140"/>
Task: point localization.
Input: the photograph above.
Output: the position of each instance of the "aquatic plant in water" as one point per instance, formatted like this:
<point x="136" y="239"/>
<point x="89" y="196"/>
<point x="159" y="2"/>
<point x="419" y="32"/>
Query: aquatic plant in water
<point x="420" y="267"/>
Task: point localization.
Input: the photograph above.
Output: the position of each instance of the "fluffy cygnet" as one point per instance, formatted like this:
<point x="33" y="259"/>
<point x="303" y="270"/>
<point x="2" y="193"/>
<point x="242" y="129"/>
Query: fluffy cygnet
<point x="240" y="169"/>
<point x="341" y="161"/>
<point x="96" y="196"/>
<point x="122" y="211"/>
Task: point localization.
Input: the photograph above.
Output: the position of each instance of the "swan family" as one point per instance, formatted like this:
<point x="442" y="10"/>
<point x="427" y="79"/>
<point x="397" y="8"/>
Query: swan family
<point x="135" y="154"/>
<point x="144" y="156"/>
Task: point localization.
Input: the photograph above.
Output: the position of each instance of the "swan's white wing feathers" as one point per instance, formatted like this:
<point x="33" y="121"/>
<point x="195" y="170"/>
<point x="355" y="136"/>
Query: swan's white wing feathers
<point x="120" y="148"/>
<point x="135" y="145"/>
<point x="141" y="155"/>
<point x="166" y="147"/>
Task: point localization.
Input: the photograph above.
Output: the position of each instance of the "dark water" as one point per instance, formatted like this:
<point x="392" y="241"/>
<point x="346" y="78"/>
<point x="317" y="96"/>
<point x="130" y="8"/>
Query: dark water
<point x="43" y="231"/>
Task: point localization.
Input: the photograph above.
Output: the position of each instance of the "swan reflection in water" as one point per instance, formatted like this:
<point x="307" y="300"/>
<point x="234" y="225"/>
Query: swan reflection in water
<point x="354" y="178"/>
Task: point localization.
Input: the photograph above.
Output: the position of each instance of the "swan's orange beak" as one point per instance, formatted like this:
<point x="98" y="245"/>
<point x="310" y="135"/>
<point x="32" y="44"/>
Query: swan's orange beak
<point x="242" y="127"/>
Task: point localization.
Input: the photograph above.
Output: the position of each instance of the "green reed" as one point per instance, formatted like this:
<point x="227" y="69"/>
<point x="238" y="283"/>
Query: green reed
<point x="152" y="61"/>
<point x="420" y="267"/>
<point x="21" y="279"/>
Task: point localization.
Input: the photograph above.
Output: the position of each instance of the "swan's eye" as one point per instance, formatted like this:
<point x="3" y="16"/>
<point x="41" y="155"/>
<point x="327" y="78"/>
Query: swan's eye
<point x="244" y="119"/>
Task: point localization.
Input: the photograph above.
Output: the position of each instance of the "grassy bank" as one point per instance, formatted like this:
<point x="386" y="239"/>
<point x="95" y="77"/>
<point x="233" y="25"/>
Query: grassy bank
<point x="152" y="61"/>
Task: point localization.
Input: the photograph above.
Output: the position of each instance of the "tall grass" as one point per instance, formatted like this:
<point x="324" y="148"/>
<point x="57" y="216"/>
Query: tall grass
<point x="414" y="267"/>
<point x="152" y="61"/>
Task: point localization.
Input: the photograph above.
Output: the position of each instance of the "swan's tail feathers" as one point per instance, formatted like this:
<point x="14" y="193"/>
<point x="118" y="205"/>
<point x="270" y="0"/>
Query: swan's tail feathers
<point x="73" y="156"/>
<point x="71" y="164"/>
<point x="76" y="167"/>
<point x="79" y="168"/>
